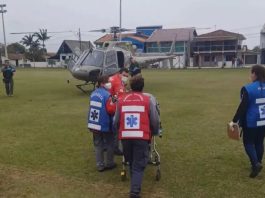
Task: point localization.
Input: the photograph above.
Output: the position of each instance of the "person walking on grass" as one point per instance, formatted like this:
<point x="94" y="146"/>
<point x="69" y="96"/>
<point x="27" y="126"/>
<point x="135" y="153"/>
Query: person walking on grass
<point x="136" y="117"/>
<point x="8" y="73"/>
<point x="100" y="115"/>
<point x="118" y="88"/>
<point x="251" y="117"/>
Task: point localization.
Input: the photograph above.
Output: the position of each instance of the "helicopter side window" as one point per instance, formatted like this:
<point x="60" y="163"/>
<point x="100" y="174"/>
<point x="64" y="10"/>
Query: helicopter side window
<point x="110" y="58"/>
<point x="94" y="58"/>
<point x="111" y="65"/>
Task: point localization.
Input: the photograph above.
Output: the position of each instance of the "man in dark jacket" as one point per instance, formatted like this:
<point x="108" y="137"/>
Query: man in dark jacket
<point x="134" y="68"/>
<point x="8" y="72"/>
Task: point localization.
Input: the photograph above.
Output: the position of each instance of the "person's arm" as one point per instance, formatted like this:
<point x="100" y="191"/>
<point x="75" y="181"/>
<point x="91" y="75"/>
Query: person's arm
<point x="13" y="70"/>
<point x="116" y="119"/>
<point x="110" y="106"/>
<point x="242" y="108"/>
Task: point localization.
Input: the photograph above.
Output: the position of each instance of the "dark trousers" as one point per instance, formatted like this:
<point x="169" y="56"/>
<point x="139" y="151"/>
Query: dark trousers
<point x="253" y="139"/>
<point x="104" y="141"/>
<point x="9" y="85"/>
<point x="136" y="153"/>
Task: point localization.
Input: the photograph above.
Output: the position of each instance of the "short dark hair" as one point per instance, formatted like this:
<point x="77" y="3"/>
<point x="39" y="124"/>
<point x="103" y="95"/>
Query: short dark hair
<point x="102" y="79"/>
<point x="259" y="71"/>
<point x="137" y="83"/>
<point x="124" y="70"/>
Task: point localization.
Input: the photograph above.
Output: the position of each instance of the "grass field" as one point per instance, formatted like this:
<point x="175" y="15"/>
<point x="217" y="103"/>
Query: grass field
<point x="46" y="150"/>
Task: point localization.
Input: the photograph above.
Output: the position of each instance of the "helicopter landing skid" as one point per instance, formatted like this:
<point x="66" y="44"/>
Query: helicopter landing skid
<point x="86" y="84"/>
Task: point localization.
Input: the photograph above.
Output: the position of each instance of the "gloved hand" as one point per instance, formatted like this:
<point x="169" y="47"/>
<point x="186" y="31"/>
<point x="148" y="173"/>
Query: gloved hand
<point x="231" y="125"/>
<point x="114" y="99"/>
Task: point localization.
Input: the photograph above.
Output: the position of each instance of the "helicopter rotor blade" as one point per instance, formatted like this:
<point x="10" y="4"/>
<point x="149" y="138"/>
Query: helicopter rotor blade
<point x="56" y="32"/>
<point x="100" y="30"/>
<point x="22" y="32"/>
<point x="127" y="30"/>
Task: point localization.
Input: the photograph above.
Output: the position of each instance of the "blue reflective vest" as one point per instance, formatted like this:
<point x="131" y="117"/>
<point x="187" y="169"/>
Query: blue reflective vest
<point x="256" y="104"/>
<point x="98" y="118"/>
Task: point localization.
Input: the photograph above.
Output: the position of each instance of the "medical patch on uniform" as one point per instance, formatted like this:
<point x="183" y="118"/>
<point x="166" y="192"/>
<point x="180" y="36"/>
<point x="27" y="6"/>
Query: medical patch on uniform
<point x="94" y="115"/>
<point x="262" y="111"/>
<point x="132" y="120"/>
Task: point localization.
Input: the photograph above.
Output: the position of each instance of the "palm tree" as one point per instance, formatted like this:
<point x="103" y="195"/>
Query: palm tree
<point x="33" y="51"/>
<point x="28" y="40"/>
<point x="42" y="36"/>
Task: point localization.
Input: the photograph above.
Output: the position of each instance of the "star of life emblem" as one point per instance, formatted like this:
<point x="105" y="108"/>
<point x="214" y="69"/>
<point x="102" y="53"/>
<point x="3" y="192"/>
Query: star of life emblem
<point x="132" y="120"/>
<point x="262" y="111"/>
<point x="94" y="115"/>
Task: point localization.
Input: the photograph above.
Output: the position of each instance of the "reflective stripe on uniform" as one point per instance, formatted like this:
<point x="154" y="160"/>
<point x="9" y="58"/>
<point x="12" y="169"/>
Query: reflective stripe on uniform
<point x="94" y="126"/>
<point x="125" y="134"/>
<point x="96" y="104"/>
<point x="260" y="100"/>
<point x="261" y="123"/>
<point x="132" y="108"/>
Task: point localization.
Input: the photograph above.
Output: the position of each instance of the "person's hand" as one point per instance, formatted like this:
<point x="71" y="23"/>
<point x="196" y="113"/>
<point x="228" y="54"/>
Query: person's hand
<point x="114" y="99"/>
<point x="231" y="125"/>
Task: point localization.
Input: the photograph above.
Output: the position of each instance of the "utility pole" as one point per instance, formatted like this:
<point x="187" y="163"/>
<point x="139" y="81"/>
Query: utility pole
<point x="79" y="38"/>
<point x="4" y="11"/>
<point x="120" y="19"/>
<point x="189" y="51"/>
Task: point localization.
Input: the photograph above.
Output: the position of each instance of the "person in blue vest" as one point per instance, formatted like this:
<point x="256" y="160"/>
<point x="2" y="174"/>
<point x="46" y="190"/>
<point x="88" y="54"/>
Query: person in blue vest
<point x="136" y="119"/>
<point x="251" y="117"/>
<point x="100" y="114"/>
<point x="8" y="73"/>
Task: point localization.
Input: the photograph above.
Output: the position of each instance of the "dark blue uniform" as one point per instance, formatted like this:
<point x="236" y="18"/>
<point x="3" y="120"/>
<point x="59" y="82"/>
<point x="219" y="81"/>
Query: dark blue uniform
<point x="8" y="79"/>
<point x="251" y="116"/>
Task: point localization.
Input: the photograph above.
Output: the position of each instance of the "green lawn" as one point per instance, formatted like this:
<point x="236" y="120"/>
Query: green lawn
<point x="46" y="150"/>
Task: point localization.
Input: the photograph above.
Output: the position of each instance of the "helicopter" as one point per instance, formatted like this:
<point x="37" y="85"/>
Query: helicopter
<point x="108" y="60"/>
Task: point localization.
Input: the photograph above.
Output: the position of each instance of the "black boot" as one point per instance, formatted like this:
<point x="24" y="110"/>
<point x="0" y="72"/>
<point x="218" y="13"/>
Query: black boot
<point x="255" y="170"/>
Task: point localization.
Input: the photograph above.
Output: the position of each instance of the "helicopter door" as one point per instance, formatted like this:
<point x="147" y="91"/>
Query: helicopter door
<point x="111" y="63"/>
<point x="120" y="56"/>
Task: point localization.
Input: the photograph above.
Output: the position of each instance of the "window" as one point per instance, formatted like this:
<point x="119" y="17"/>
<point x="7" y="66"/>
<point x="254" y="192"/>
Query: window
<point x="165" y="46"/>
<point x="179" y="47"/>
<point x="111" y="64"/>
<point x="94" y="58"/>
<point x="111" y="69"/>
<point x="152" y="47"/>
<point x="111" y="58"/>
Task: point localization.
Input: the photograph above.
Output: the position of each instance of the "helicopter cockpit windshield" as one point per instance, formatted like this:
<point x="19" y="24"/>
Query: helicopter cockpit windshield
<point x="94" y="58"/>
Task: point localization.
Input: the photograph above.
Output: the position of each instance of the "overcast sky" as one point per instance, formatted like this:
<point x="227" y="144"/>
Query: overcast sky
<point x="242" y="16"/>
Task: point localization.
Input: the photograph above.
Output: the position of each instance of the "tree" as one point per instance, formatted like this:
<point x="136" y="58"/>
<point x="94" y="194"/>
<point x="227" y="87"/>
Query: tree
<point x="34" y="53"/>
<point x="42" y="36"/>
<point x="28" y="40"/>
<point x="256" y="49"/>
<point x="16" y="48"/>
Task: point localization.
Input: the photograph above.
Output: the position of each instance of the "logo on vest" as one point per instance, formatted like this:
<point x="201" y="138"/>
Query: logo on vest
<point x="262" y="111"/>
<point x="94" y="115"/>
<point x="132" y="120"/>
